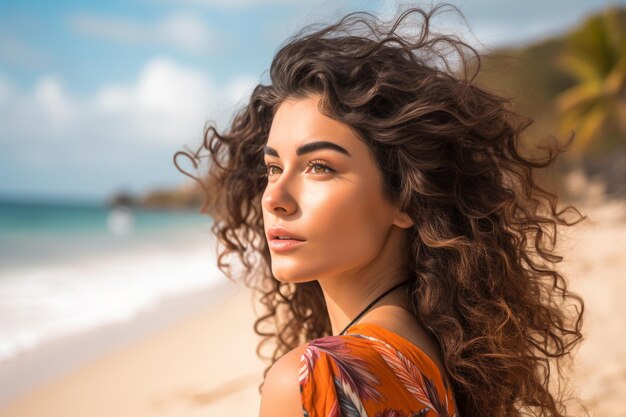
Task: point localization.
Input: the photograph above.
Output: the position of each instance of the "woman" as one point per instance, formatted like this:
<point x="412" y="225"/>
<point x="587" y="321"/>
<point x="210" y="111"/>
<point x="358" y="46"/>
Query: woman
<point x="381" y="203"/>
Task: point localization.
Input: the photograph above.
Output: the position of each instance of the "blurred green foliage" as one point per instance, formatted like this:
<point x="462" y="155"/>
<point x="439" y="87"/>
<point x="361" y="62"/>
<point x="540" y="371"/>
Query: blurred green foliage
<point x="572" y="83"/>
<point x="595" y="107"/>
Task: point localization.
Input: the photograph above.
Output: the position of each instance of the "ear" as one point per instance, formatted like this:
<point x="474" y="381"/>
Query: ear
<point x="403" y="220"/>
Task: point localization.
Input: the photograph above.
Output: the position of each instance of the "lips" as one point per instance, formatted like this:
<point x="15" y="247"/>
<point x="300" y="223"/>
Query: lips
<point x="278" y="232"/>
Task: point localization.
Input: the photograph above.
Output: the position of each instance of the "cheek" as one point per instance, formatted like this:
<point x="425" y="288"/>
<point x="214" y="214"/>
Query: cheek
<point x="346" y="227"/>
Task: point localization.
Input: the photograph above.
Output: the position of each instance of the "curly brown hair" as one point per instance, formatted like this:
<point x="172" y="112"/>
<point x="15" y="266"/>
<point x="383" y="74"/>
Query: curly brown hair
<point x="481" y="251"/>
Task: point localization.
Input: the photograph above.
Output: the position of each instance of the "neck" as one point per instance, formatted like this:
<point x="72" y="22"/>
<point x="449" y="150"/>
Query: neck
<point x="344" y="306"/>
<point x="347" y="295"/>
<point x="372" y="304"/>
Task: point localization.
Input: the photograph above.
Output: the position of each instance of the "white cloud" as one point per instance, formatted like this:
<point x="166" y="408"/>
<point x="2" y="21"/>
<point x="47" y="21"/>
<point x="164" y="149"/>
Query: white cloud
<point x="119" y="136"/>
<point x="56" y="105"/>
<point x="47" y="111"/>
<point x="181" y="30"/>
<point x="186" y="31"/>
<point x="166" y="106"/>
<point x="165" y="100"/>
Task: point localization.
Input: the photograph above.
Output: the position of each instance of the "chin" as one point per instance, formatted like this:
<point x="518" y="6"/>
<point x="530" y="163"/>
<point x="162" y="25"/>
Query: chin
<point x="287" y="278"/>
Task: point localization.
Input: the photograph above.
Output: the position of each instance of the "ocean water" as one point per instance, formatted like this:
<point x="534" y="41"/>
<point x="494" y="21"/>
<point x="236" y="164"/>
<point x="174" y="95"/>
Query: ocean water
<point x="44" y="233"/>
<point x="67" y="267"/>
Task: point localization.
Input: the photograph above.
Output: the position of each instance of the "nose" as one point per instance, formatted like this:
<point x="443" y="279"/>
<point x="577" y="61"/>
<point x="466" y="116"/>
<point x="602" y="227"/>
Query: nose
<point x="277" y="198"/>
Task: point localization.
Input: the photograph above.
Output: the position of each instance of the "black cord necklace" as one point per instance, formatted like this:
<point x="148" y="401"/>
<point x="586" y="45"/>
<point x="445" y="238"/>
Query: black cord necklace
<point x="372" y="304"/>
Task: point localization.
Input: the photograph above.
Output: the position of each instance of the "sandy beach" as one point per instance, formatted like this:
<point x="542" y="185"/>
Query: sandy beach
<point x="203" y="362"/>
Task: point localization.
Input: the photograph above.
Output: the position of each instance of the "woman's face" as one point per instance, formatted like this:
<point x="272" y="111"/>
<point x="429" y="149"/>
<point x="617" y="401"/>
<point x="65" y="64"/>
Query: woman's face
<point x="330" y="198"/>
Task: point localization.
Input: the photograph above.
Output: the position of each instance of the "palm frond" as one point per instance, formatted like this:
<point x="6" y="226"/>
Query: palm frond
<point x="578" y="95"/>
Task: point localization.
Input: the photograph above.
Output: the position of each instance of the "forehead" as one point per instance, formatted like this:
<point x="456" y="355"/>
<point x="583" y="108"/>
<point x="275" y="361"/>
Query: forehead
<point x="298" y="122"/>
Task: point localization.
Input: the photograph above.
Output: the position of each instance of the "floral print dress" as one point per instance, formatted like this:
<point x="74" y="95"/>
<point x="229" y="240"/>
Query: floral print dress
<point x="371" y="371"/>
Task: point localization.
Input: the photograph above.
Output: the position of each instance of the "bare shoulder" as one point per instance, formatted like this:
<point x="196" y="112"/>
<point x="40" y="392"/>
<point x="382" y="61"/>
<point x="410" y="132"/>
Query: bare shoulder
<point x="280" y="395"/>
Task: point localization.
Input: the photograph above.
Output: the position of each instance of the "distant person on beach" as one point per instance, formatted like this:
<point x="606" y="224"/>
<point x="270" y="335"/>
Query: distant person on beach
<point x="383" y="206"/>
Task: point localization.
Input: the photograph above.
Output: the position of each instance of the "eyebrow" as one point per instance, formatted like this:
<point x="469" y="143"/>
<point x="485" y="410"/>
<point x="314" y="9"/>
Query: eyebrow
<point x="309" y="147"/>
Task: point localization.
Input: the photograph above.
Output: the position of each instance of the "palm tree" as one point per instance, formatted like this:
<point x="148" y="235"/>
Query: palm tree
<point x="595" y="108"/>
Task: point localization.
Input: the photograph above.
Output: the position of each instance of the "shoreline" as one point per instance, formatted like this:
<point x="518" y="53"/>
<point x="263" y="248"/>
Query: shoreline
<point x="202" y="365"/>
<point x="46" y="302"/>
<point x="59" y="356"/>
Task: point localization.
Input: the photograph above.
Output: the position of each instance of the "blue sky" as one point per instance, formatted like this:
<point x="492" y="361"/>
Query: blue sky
<point x="96" y="97"/>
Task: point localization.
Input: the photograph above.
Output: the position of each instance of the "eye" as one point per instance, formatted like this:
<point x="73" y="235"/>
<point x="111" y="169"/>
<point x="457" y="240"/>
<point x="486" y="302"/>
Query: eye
<point x="319" y="164"/>
<point x="269" y="169"/>
<point x="314" y="165"/>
